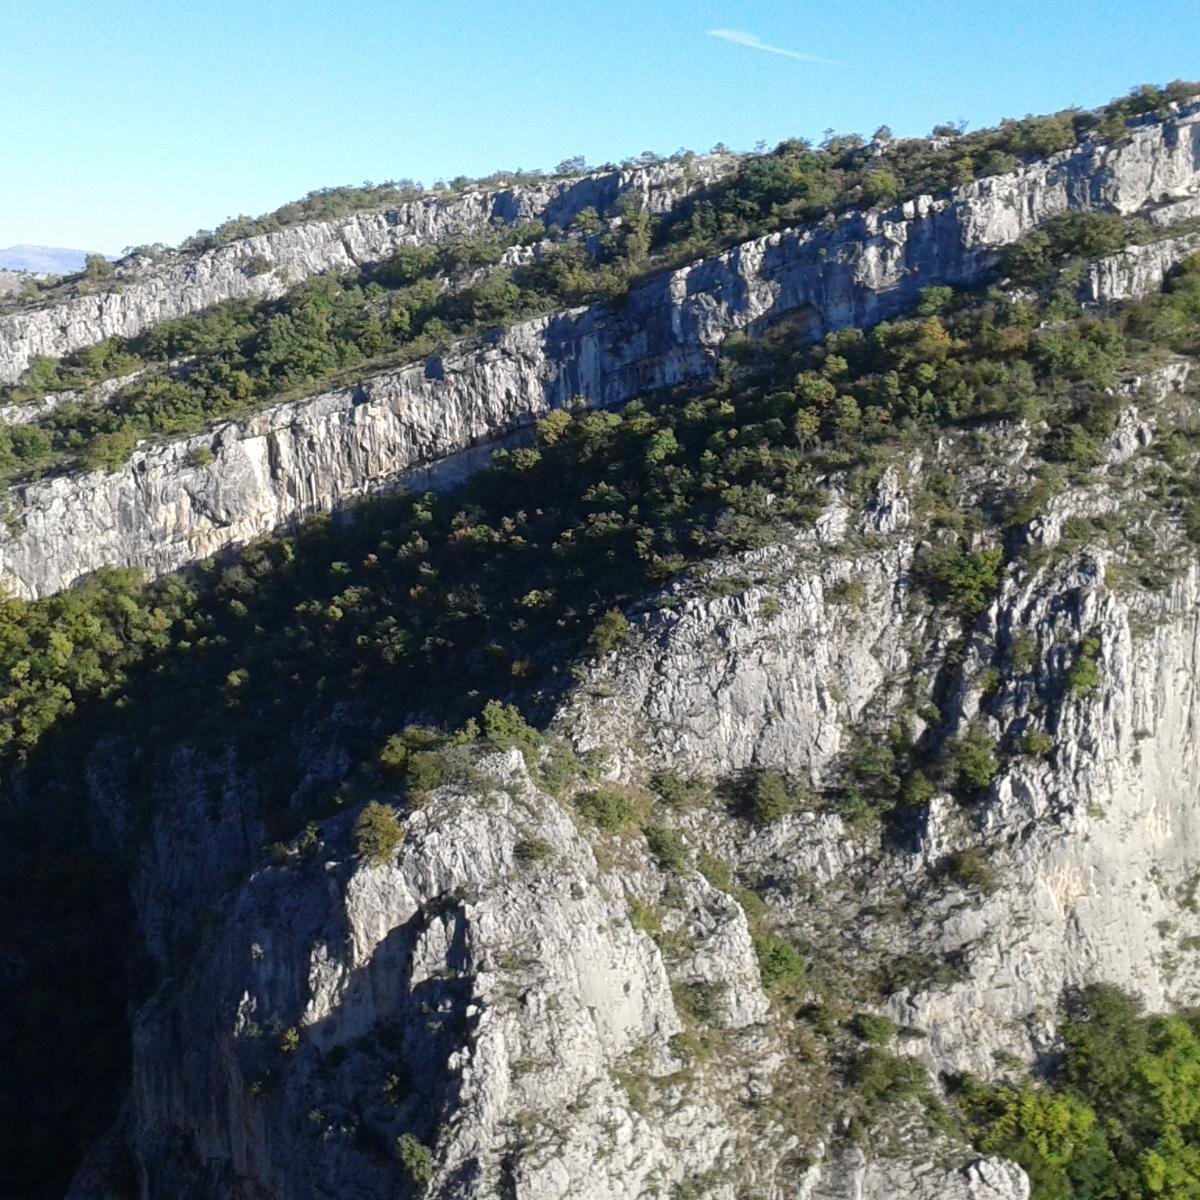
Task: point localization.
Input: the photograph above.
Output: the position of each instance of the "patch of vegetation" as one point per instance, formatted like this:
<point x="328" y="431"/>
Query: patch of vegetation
<point x="1037" y="743"/>
<point x="678" y="792"/>
<point x="1119" y="1117"/>
<point x="718" y="873"/>
<point x="606" y="808"/>
<point x="799" y="182"/>
<point x="1085" y="236"/>
<point x="378" y="833"/>
<point x="417" y="1160"/>
<point x="610" y="632"/>
<point x="667" y="846"/>
<point x="971" y="763"/>
<point x="967" y="580"/>
<point x="644" y="917"/>
<point x="1083" y="676"/>
<point x="882" y="1079"/>
<point x="873" y="1029"/>
<point x="532" y="850"/>
<point x="783" y="968"/>
<point x="973" y="870"/>
<point x="330" y="329"/>
<point x="768" y="797"/>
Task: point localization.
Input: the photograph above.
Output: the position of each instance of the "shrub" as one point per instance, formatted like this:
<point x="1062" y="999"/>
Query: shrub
<point x="667" y="847"/>
<point x="417" y="1160"/>
<point x="966" y="579"/>
<point x="851" y="593"/>
<point x="769" y="798"/>
<point x="918" y="789"/>
<point x="781" y="964"/>
<point x="1083" y="676"/>
<point x="416" y="756"/>
<point x="533" y="850"/>
<point x="606" y="808"/>
<point x="876" y="1030"/>
<point x="425" y="770"/>
<point x="1071" y="443"/>
<point x="611" y="630"/>
<point x="972" y="763"/>
<point x="1191" y="521"/>
<point x="972" y="869"/>
<point x="644" y="917"/>
<point x="678" y="791"/>
<point x="884" y="1079"/>
<point x="1023" y="650"/>
<point x="719" y="874"/>
<point x="505" y="729"/>
<point x="933" y="300"/>
<point x="97" y="267"/>
<point x="378" y="833"/>
<point x="1037" y="743"/>
<point x="393" y="758"/>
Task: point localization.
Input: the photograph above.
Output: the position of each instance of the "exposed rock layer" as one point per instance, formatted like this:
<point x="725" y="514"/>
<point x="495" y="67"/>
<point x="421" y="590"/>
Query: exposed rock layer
<point x="414" y="424"/>
<point x="266" y="265"/>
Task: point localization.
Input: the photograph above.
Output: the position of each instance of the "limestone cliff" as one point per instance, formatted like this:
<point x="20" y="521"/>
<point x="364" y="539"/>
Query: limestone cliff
<point x="266" y="265"/>
<point x="582" y="964"/>
<point x="1094" y="836"/>
<point x="420" y="424"/>
<point x="487" y="994"/>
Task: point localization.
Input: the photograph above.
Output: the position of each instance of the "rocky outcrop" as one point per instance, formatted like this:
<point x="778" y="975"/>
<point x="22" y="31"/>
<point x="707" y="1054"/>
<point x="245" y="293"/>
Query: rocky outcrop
<point x="473" y="994"/>
<point x="484" y="992"/>
<point x="266" y="265"/>
<point x="1136" y="271"/>
<point x="427" y="423"/>
<point x="853" y="1174"/>
<point x="772" y="661"/>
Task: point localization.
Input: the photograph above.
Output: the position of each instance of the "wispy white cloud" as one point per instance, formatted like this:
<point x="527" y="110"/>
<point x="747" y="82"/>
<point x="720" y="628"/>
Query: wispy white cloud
<point x="752" y="42"/>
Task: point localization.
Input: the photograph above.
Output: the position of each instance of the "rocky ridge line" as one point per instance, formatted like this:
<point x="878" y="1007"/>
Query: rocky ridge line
<point x="267" y="265"/>
<point x="429" y="423"/>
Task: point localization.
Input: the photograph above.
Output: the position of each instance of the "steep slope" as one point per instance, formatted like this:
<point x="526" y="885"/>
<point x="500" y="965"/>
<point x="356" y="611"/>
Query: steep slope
<point x="859" y="651"/>
<point x="178" y="503"/>
<point x="267" y="264"/>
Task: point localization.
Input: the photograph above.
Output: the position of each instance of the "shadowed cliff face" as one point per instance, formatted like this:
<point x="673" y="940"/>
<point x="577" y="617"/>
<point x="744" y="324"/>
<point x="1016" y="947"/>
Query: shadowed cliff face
<point x="426" y="427"/>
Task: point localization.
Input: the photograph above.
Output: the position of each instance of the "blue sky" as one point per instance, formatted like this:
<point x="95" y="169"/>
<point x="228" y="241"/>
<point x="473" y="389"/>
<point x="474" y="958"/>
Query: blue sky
<point x="127" y="121"/>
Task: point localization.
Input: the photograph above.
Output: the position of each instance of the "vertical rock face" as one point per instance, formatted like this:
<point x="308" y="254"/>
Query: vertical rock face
<point x="485" y="993"/>
<point x="474" y="995"/>
<point x="265" y="266"/>
<point x="1096" y="844"/>
<point x="418" y="424"/>
<point x="1137" y="270"/>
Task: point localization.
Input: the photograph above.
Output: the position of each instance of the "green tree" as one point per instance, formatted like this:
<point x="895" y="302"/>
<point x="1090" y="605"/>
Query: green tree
<point x="417" y="1160"/>
<point x="378" y="833"/>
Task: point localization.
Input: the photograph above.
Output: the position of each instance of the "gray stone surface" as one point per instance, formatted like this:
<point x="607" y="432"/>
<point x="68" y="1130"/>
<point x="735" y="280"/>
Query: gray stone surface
<point x="1096" y="845"/>
<point x="266" y="265"/>
<point x="163" y="510"/>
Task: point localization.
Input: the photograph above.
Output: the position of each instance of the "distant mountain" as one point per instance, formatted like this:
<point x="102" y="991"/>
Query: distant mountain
<point x="51" y="260"/>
